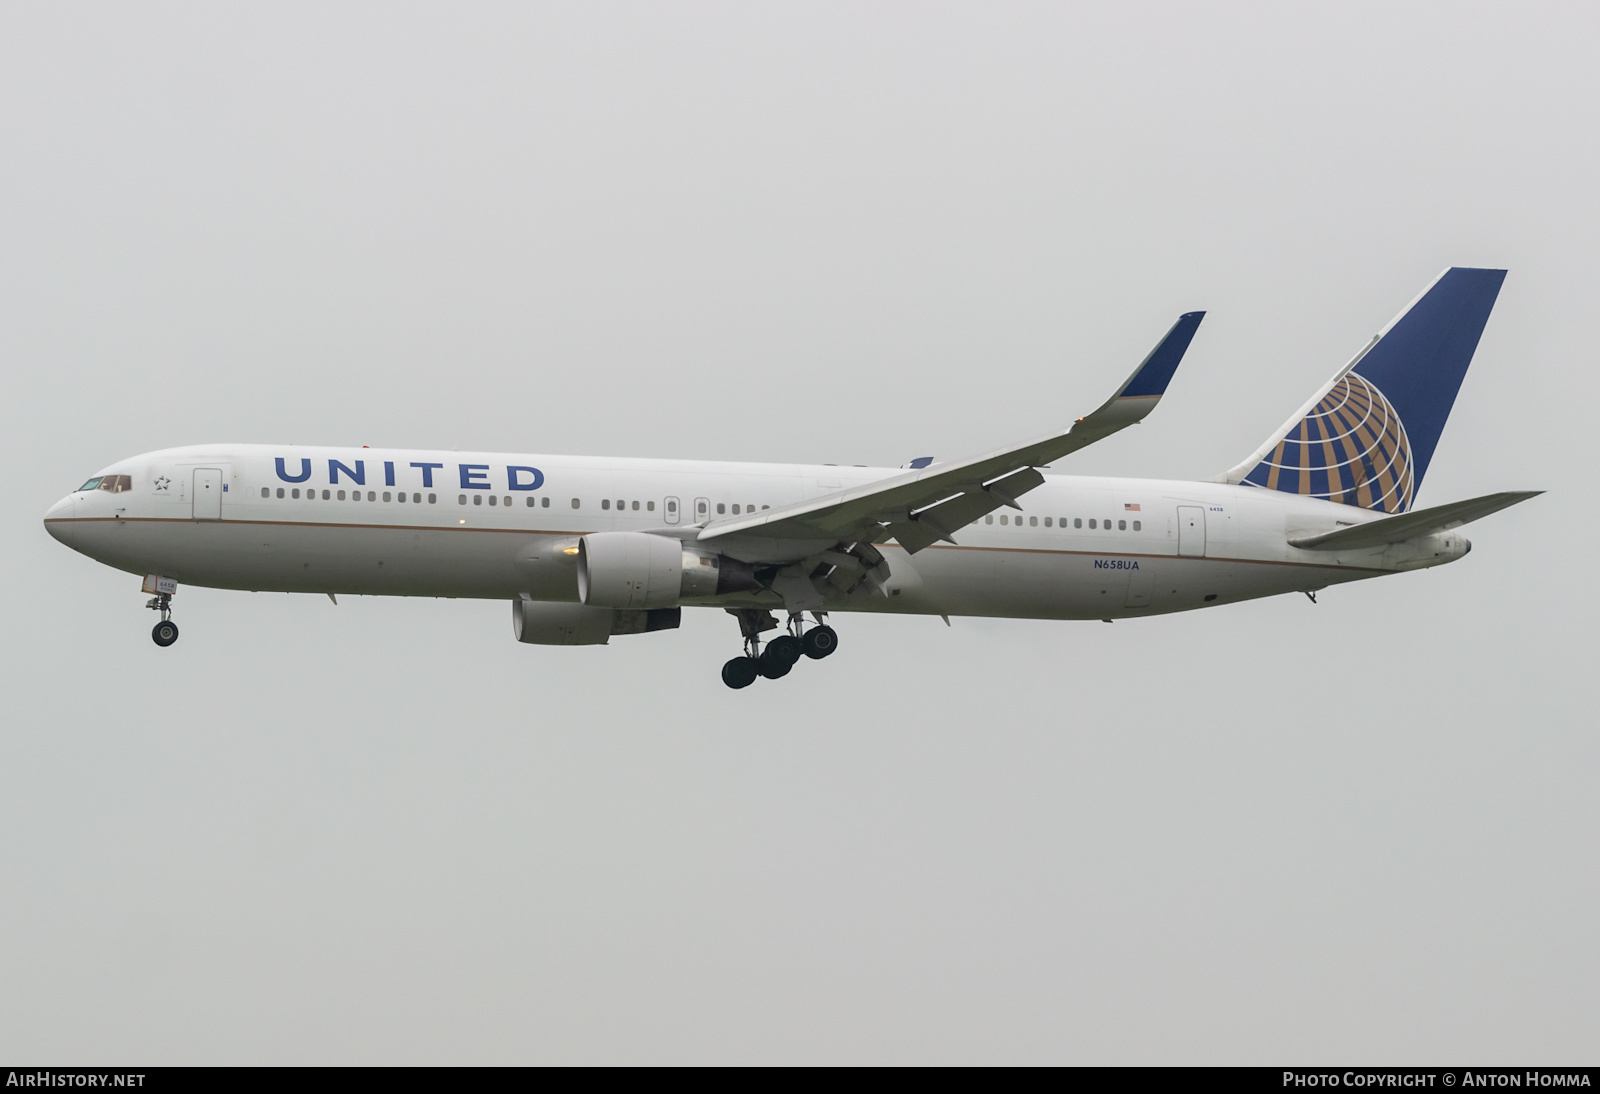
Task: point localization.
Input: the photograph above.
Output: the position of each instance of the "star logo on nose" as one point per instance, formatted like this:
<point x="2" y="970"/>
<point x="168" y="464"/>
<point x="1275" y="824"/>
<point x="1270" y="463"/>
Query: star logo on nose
<point x="163" y="482"/>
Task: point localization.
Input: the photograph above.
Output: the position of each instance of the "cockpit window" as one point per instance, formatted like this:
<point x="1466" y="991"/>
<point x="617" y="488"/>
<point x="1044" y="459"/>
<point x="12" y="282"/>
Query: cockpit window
<point x="115" y="484"/>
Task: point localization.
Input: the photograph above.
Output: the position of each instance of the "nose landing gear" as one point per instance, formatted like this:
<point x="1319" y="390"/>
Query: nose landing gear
<point x="164" y="633"/>
<point x="782" y="653"/>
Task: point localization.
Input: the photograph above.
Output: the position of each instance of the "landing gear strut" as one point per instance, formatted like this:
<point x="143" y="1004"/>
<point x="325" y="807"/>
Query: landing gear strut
<point x="165" y="633"/>
<point x="783" y="652"/>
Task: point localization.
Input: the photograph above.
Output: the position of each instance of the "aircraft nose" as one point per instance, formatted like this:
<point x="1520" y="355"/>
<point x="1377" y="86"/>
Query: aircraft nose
<point x="56" y="520"/>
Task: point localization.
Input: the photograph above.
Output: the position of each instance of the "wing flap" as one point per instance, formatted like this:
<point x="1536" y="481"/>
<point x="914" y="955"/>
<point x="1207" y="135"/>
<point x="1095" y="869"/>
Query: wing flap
<point x="944" y="518"/>
<point x="1419" y="522"/>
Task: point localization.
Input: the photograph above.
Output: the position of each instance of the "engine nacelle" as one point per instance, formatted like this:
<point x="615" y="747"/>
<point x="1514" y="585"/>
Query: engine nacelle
<point x="637" y="570"/>
<point x="543" y="623"/>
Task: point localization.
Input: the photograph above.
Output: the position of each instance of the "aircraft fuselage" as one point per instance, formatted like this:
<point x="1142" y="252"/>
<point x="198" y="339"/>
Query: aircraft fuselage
<point x="502" y="526"/>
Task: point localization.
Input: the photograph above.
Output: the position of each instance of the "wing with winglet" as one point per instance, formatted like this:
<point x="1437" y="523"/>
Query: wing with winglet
<point x="932" y="503"/>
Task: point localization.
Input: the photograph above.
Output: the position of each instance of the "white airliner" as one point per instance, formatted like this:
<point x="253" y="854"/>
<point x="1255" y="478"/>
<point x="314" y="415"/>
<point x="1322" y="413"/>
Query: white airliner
<point x="589" y="548"/>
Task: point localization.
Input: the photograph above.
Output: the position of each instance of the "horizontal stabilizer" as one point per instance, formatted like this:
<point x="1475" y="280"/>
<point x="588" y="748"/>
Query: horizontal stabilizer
<point x="1421" y="522"/>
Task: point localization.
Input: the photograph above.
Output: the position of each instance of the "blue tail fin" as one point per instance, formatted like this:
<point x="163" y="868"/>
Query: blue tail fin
<point x="1367" y="437"/>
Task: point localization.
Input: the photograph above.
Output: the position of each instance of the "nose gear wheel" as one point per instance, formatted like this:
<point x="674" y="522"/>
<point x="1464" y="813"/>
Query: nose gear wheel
<point x="164" y="633"/>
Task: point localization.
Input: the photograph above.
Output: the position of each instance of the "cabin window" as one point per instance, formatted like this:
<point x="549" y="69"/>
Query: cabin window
<point x="355" y="495"/>
<point x="265" y="492"/>
<point x="766" y="507"/>
<point x="545" y="504"/>
<point x="1107" y="525"/>
<point x="650" y="506"/>
<point x="735" y="508"/>
<point x="1077" y="522"/>
<point x="1004" y="519"/>
<point x="461" y="499"/>
<point x="506" y="500"/>
<point x="341" y="494"/>
<point x="721" y="508"/>
<point x="492" y="499"/>
<point x="295" y="493"/>
<point x="386" y="495"/>
<point x="636" y="505"/>
<point x="372" y="495"/>
<point x="280" y="491"/>
<point x="1033" y="522"/>
<point x="431" y="498"/>
<point x="1092" y="524"/>
<point x="400" y="497"/>
<point x="532" y="503"/>
<point x="576" y="503"/>
<point x="1047" y="522"/>
<point x="989" y="519"/>
<point x="1137" y="526"/>
<point x="477" y="499"/>
<point x="672" y="505"/>
<point x="605" y="503"/>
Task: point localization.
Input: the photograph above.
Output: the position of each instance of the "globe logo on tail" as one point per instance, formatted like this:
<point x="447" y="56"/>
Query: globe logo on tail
<point x="1351" y="448"/>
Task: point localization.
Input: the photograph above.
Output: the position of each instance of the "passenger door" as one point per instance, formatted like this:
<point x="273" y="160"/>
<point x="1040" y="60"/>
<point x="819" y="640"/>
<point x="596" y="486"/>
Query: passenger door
<point x="672" y="510"/>
<point x="207" y="493"/>
<point x="1191" y="531"/>
<point x="702" y="510"/>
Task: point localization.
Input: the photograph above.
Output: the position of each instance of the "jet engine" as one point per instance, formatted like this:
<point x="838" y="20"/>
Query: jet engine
<point x="637" y="570"/>
<point x="543" y="623"/>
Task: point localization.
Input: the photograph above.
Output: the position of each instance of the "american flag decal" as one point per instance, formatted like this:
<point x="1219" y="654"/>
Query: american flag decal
<point x="1131" y="507"/>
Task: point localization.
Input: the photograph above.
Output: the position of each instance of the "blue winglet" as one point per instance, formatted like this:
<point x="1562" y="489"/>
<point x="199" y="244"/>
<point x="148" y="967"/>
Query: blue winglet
<point x="1152" y="377"/>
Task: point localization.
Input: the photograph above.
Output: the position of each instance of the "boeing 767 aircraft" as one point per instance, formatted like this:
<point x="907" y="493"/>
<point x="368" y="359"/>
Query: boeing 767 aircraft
<point x="586" y="548"/>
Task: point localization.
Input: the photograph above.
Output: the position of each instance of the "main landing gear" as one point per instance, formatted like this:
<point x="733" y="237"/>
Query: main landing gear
<point x="783" y="652"/>
<point x="164" y="633"/>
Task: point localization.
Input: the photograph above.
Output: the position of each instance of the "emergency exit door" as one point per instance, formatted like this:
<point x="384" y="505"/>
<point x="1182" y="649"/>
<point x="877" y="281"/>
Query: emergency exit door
<point x="1191" y="531"/>
<point x="207" y="493"/>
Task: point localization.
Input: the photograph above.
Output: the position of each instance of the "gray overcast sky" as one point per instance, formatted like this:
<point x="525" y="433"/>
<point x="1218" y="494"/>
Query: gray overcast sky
<point x="384" y="831"/>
